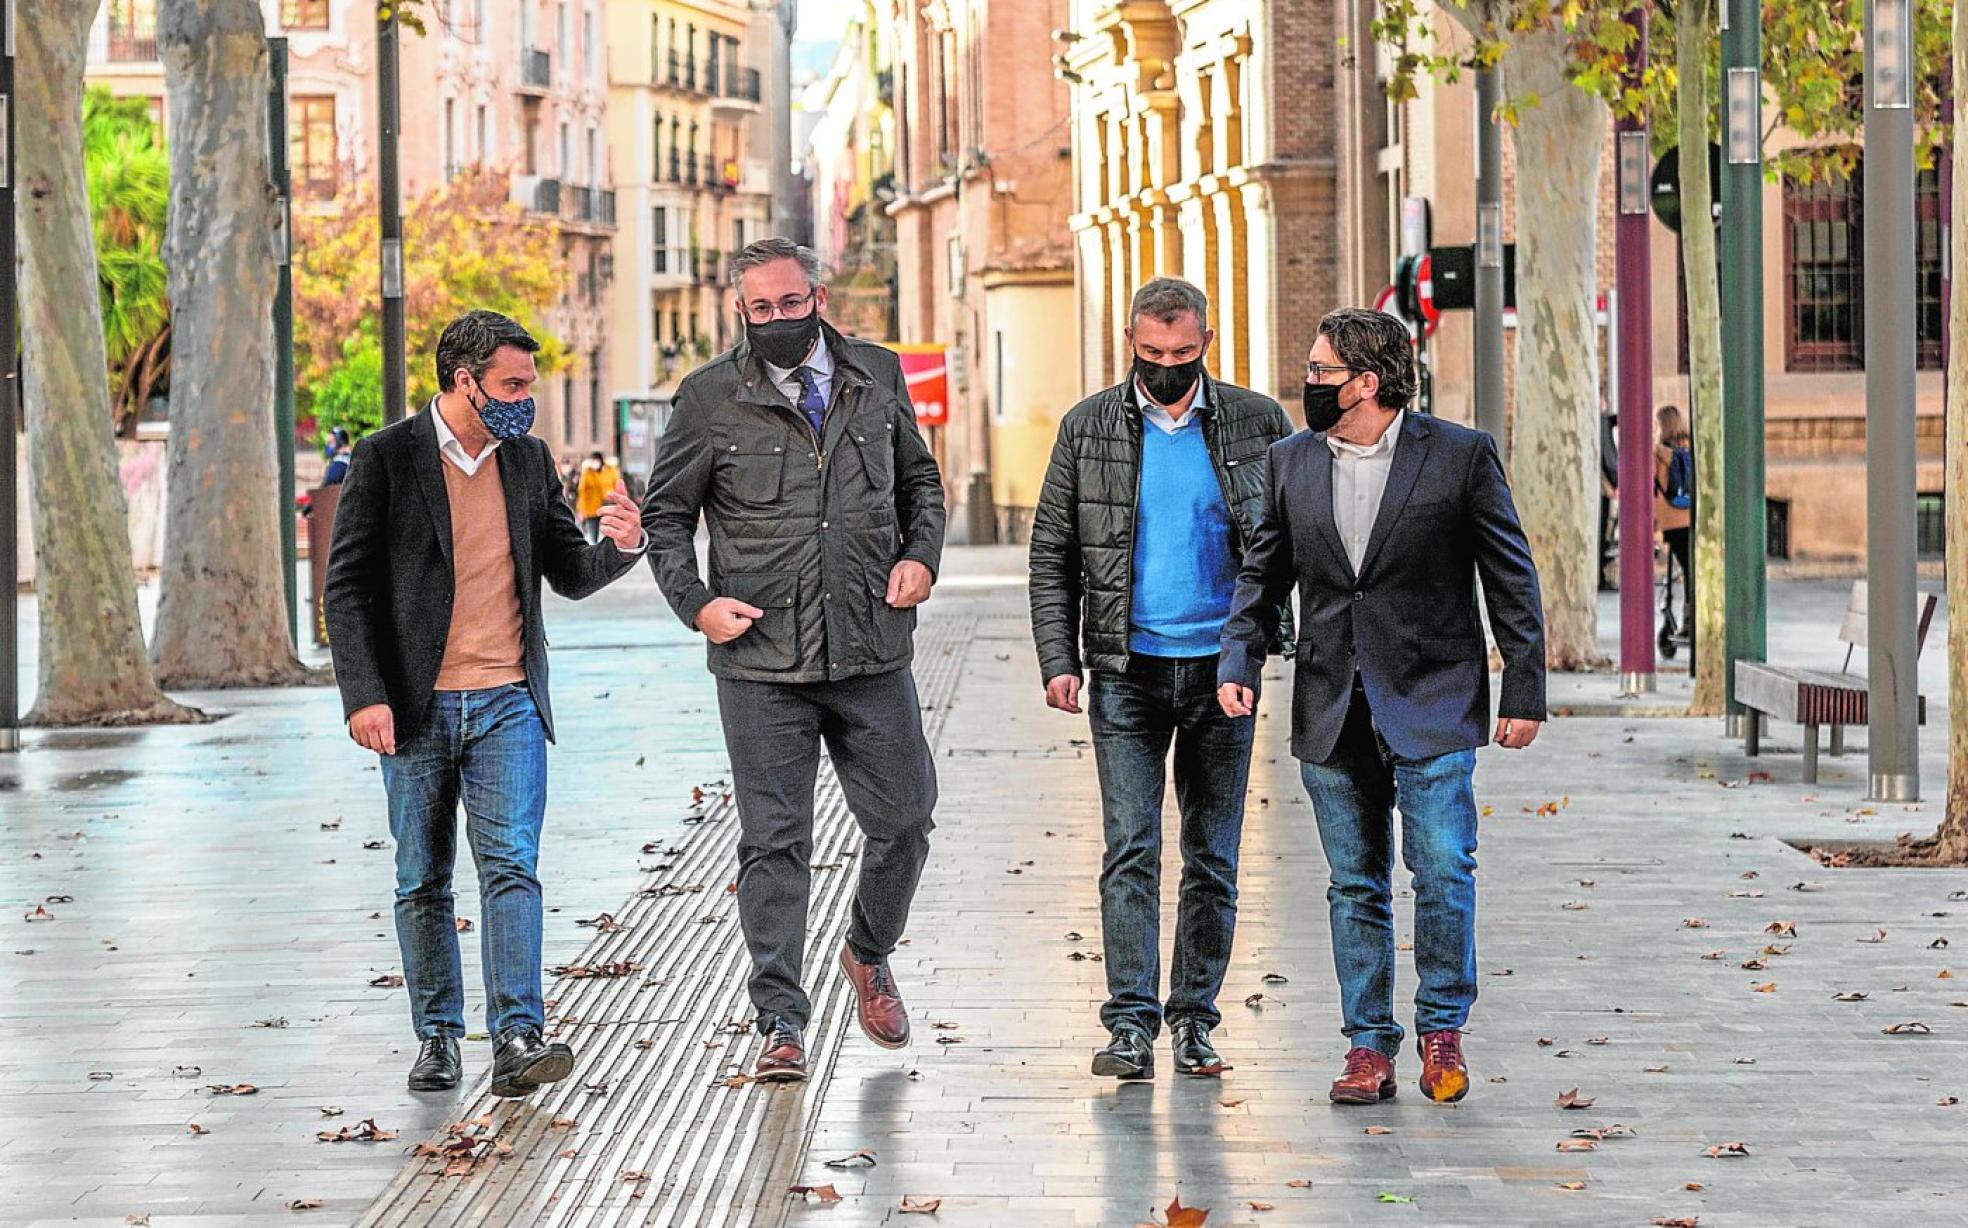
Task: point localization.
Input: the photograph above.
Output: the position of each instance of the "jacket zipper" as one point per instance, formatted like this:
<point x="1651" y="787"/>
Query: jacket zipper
<point x="1222" y="479"/>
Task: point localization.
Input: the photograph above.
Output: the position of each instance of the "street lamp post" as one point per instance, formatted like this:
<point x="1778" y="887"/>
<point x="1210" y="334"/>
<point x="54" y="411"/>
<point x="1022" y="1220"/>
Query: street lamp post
<point x="1636" y="393"/>
<point x="1743" y="526"/>
<point x="283" y="323"/>
<point x="9" y="406"/>
<point x="1489" y="261"/>
<point x="389" y="198"/>
<point x="1893" y="743"/>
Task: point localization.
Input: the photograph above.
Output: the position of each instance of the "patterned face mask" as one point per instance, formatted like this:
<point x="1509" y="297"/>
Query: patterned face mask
<point x="506" y="419"/>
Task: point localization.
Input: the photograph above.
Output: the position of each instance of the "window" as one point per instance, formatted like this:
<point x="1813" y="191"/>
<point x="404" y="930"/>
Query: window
<point x="312" y="151"/>
<point x="594" y="158"/>
<point x="1824" y="256"/>
<point x="566" y="153"/>
<point x="304" y="14"/>
<point x="1776" y="528"/>
<point x="588" y="43"/>
<point x="132" y="31"/>
<point x="659" y="232"/>
<point x="451" y="138"/>
<point x="567" y="408"/>
<point x="563" y="42"/>
<point x="484" y="145"/>
<point x="1930" y="525"/>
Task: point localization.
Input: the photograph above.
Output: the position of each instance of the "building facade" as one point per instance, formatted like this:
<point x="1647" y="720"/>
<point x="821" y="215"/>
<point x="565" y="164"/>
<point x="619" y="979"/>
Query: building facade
<point x="983" y="175"/>
<point x="517" y="89"/>
<point x="687" y="117"/>
<point x="849" y="161"/>
<point x="1205" y="148"/>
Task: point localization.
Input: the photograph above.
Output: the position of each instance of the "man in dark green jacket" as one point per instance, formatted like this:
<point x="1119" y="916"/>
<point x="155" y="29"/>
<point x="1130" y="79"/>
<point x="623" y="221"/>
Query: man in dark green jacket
<point x="800" y="449"/>
<point x="1149" y="502"/>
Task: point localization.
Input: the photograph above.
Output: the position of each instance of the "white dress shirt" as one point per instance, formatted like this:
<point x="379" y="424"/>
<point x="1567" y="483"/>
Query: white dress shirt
<point x="451" y="450"/>
<point x="1359" y="481"/>
<point x="818" y="361"/>
<point x="1160" y="416"/>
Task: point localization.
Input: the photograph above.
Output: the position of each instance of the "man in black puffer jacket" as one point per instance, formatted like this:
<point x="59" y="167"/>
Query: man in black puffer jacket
<point x="1152" y="494"/>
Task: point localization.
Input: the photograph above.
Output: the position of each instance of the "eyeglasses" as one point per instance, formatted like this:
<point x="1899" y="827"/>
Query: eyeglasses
<point x="792" y="307"/>
<point x="1319" y="370"/>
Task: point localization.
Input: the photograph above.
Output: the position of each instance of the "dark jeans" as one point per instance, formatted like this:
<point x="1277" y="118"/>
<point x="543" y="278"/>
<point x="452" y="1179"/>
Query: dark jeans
<point x="1354" y="794"/>
<point x="1135" y="717"/>
<point x="872" y="729"/>
<point x="488" y="750"/>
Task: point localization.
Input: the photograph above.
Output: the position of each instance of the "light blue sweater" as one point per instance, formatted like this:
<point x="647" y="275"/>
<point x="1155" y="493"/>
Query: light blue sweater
<point x="1185" y="567"/>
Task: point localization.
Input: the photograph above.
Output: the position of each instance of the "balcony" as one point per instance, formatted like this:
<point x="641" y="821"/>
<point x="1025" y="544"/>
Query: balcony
<point x="605" y="214"/>
<point x="535" y="70"/>
<point x="690" y="164"/>
<point x="707" y="266"/>
<point x="131" y="46"/>
<point x="722" y="175"/>
<point x="671" y="267"/>
<point x="674" y="77"/>
<point x="588" y="206"/>
<point x="676" y="167"/>
<point x="738" y="89"/>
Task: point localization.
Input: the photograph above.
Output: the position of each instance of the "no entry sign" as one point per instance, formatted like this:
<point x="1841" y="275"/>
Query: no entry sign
<point x="927" y="373"/>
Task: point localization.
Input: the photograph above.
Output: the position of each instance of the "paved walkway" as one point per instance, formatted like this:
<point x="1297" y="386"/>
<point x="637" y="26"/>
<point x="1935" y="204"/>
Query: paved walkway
<point x="209" y="900"/>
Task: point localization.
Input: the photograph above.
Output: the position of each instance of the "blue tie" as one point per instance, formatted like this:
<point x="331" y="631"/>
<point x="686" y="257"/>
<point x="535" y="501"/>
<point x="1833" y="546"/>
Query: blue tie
<point x="811" y="403"/>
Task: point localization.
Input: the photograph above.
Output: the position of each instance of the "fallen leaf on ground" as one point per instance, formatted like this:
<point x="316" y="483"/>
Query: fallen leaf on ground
<point x="1948" y="1102"/>
<point x="1378" y="1130"/>
<point x="1598" y="1040"/>
<point x="304" y="1204"/>
<point x="920" y="1206"/>
<point x="464" y="924"/>
<point x="1272" y="978"/>
<point x="364" y="1131"/>
<point x="949" y="1040"/>
<point x="1578" y="1144"/>
<point x="1575" y="906"/>
<point x="1545" y="1042"/>
<point x="1806" y="885"/>
<point x="331" y="1110"/>
<point x="945" y="1025"/>
<point x="1751" y="894"/>
<point x="1774" y="949"/>
<point x="580" y="972"/>
<point x="1572" y="1100"/>
<point x="1694" y="1185"/>
<point x="1260" y="1206"/>
<point x="1661" y="1069"/>
<point x="864" y="1158"/>
<point x="1877" y="936"/>
<point x="1695" y="923"/>
<point x="1850" y="996"/>
<point x="1782" y="929"/>
<point x="1912" y="1028"/>
<point x="388" y="980"/>
<point x="1939" y="944"/>
<point x="1230" y="1104"/>
<point x="1765" y="987"/>
<point x="1298" y="1183"/>
<point x="234" y="1089"/>
<point x="1503" y="972"/>
<point x="195" y="1129"/>
<point x="1726" y="1150"/>
<point x="1745" y="1061"/>
<point x="1571" y="1185"/>
<point x="1678" y="1221"/>
<point x="1754" y="965"/>
<point x="1713" y="955"/>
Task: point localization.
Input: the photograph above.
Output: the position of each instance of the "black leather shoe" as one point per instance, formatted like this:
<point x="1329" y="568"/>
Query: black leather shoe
<point x="438" y="1067"/>
<point x="522" y="1061"/>
<point x="1194" y="1055"/>
<point x="1129" y="1055"/>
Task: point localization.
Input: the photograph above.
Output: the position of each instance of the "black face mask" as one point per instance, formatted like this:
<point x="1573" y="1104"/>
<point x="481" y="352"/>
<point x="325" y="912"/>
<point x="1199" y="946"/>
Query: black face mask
<point x="1166" y="384"/>
<point x="1322" y="408"/>
<point x="784" y="343"/>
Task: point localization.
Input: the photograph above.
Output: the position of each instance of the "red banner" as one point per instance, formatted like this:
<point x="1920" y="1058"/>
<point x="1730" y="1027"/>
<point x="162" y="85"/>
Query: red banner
<point x="926" y="371"/>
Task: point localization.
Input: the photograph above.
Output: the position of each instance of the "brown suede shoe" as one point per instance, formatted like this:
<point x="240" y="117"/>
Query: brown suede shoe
<point x="1444" y="1078"/>
<point x="783" y="1060"/>
<point x="879" y="1005"/>
<point x="1369" y="1078"/>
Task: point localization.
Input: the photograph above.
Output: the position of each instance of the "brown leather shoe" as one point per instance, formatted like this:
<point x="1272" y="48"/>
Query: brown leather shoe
<point x="877" y="1002"/>
<point x="783" y="1060"/>
<point x="1369" y="1078"/>
<point x="1444" y="1078"/>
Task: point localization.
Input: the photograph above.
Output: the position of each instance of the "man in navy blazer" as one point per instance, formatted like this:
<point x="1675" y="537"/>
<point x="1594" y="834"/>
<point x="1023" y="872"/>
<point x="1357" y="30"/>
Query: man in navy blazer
<point x="1384" y="519"/>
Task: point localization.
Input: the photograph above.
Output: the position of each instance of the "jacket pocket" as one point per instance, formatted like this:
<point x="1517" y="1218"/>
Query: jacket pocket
<point x="754" y="475"/>
<point x="773" y="640"/>
<point x="891" y="631"/>
<point x="874" y="439"/>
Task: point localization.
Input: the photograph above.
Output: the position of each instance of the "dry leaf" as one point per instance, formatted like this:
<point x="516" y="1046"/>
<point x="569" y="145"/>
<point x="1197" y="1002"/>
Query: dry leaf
<point x="1713" y="955"/>
<point x="364" y="1131"/>
<point x="1765" y="987"/>
<point x="1598" y="1040"/>
<point x="1782" y="929"/>
<point x="1849" y="996"/>
<point x="1378" y="1130"/>
<point x="388" y="980"/>
<point x="1948" y="1102"/>
<point x="304" y="1204"/>
<point x="1572" y="1100"/>
<point x="1229" y="1104"/>
<point x="1661" y="1069"/>
<point x="1180" y="1216"/>
<point x="1914" y="1028"/>
<point x="824" y="1193"/>
<point x="1298" y="1183"/>
<point x="195" y="1129"/>
<point x="920" y="1206"/>
<point x="864" y="1158"/>
<point x="1695" y="923"/>
<point x="234" y="1089"/>
<point x="1571" y="1185"/>
<point x="1260" y="1206"/>
<point x="1727" y="1150"/>
<point x="1578" y="1144"/>
<point x="1877" y="936"/>
<point x="1679" y="1221"/>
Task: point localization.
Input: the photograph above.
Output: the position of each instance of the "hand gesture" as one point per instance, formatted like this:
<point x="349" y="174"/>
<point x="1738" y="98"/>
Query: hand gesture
<point x="1235" y="700"/>
<point x="374" y="728"/>
<point x="1515" y="734"/>
<point x="724" y="619"/>
<point x="621" y="521"/>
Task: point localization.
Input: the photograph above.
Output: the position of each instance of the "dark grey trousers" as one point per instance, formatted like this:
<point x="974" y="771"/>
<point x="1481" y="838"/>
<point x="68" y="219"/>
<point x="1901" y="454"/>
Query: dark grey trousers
<point x="872" y="729"/>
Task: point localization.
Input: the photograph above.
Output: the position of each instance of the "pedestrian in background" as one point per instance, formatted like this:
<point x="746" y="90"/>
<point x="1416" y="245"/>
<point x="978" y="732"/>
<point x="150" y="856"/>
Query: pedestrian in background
<point x="1674" y="503"/>
<point x="591" y="494"/>
<point x="1152" y="494"/>
<point x="800" y="448"/>
<point x="338" y="452"/>
<point x="449" y="521"/>
<point x="1383" y="520"/>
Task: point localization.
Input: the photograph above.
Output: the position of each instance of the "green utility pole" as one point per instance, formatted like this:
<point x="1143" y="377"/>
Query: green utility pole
<point x="1743" y="526"/>
<point x="283" y="324"/>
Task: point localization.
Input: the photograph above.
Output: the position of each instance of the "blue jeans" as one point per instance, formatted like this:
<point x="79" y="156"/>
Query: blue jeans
<point x="1354" y="794"/>
<point x="1135" y="717"/>
<point x="487" y="750"/>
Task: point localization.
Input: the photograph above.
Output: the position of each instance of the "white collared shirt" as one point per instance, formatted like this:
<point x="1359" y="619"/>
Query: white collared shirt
<point x="819" y="361"/>
<point x="450" y="449"/>
<point x="1159" y="414"/>
<point x="1359" y="481"/>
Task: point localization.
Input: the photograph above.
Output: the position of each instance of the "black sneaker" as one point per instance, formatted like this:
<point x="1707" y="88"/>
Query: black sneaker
<point x="522" y="1061"/>
<point x="1129" y="1055"/>
<point x="438" y="1066"/>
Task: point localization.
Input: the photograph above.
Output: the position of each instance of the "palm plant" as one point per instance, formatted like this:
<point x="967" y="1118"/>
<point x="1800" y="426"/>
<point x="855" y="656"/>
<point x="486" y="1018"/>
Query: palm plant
<point x="129" y="194"/>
